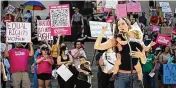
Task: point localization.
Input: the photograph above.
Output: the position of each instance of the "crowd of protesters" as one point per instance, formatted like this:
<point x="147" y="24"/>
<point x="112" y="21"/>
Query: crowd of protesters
<point x="51" y="55"/>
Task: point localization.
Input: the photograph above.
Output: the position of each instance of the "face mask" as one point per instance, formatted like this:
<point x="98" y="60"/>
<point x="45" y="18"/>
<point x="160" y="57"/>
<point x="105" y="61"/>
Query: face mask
<point x="66" y="52"/>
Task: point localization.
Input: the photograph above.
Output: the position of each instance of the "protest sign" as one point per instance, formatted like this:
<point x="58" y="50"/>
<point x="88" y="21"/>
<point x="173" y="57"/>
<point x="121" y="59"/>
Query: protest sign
<point x="165" y="7"/>
<point x="111" y="4"/>
<point x="163" y="39"/>
<point x="168" y="15"/>
<point x="60" y="19"/>
<point x="18" y="32"/>
<point x="3" y="46"/>
<point x="169" y="73"/>
<point x="96" y="28"/>
<point x="134" y="7"/>
<point x="64" y="72"/>
<point x="155" y="28"/>
<point x="166" y="31"/>
<point x="121" y="11"/>
<point x="10" y="9"/>
<point x="43" y="31"/>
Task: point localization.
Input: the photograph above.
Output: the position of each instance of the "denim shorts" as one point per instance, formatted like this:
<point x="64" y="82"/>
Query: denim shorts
<point x="124" y="80"/>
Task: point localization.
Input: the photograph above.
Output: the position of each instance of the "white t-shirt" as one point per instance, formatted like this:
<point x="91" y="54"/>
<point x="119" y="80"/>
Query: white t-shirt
<point x="111" y="57"/>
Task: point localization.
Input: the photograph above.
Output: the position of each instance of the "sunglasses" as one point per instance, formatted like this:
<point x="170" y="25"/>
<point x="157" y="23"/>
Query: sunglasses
<point x="46" y="49"/>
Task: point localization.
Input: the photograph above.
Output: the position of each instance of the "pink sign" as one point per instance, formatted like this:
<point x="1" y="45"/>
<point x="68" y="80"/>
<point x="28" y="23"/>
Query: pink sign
<point x="134" y="7"/>
<point x="155" y="28"/>
<point x="110" y="19"/>
<point x="60" y="19"/>
<point x="107" y="10"/>
<point x="163" y="39"/>
<point x="121" y="11"/>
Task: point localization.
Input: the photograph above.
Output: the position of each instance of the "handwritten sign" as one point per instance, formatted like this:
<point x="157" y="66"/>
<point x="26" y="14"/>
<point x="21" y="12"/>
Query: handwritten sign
<point x="169" y="73"/>
<point x="165" y="7"/>
<point x="10" y="9"/>
<point x="96" y="28"/>
<point x="166" y="31"/>
<point x="60" y="19"/>
<point x="43" y="31"/>
<point x="155" y="28"/>
<point x="111" y="4"/>
<point x="163" y="39"/>
<point x="134" y="7"/>
<point x="121" y="11"/>
<point x="18" y="32"/>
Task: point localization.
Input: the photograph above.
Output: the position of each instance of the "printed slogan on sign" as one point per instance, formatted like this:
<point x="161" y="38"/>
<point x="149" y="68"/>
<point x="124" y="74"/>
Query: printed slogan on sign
<point x="60" y="19"/>
<point x="43" y="31"/>
<point x="169" y="73"/>
<point x="18" y="32"/>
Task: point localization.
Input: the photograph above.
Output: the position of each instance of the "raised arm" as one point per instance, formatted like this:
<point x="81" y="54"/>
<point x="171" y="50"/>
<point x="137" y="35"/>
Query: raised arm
<point x="31" y="49"/>
<point x="58" y="40"/>
<point x="102" y="46"/>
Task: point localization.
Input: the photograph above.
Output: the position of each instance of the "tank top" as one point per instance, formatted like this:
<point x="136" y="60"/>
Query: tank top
<point x="54" y="52"/>
<point x="125" y="54"/>
<point x="62" y="60"/>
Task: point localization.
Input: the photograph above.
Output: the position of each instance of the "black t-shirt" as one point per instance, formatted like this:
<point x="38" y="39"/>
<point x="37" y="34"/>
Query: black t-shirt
<point x="125" y="55"/>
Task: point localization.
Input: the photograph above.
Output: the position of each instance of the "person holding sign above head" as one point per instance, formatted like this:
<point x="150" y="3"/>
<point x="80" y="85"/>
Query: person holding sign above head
<point x="19" y="58"/>
<point x="54" y="50"/>
<point x="45" y="62"/>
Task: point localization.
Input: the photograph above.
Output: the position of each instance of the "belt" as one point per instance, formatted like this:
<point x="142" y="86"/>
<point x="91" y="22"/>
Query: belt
<point x="124" y="71"/>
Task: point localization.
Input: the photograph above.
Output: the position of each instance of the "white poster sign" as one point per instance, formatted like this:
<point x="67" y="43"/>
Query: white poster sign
<point x="165" y="7"/>
<point x="18" y="32"/>
<point x="111" y="4"/>
<point x="96" y="28"/>
<point x="43" y="31"/>
<point x="64" y="72"/>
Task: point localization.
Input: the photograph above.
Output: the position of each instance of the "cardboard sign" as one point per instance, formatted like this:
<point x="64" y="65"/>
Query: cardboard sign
<point x="165" y="7"/>
<point x="10" y="9"/>
<point x="134" y="7"/>
<point x="18" y="32"/>
<point x="3" y="46"/>
<point x="166" y="31"/>
<point x="169" y="73"/>
<point x="96" y="28"/>
<point x="155" y="28"/>
<point x="111" y="4"/>
<point x="60" y="19"/>
<point x="121" y="11"/>
<point x="163" y="39"/>
<point x="43" y="30"/>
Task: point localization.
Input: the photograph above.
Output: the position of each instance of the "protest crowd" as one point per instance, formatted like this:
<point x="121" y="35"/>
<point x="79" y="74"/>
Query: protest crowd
<point x="132" y="51"/>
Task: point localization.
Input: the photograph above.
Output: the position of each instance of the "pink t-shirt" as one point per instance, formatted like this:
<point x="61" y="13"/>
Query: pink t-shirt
<point x="18" y="59"/>
<point x="44" y="66"/>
